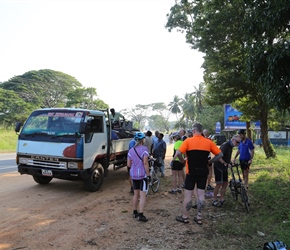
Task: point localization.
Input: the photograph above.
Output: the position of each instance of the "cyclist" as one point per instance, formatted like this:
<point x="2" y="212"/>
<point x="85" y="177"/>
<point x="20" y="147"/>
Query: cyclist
<point x="177" y="167"/>
<point x="246" y="152"/>
<point x="221" y="170"/>
<point x="139" y="170"/>
<point x="197" y="150"/>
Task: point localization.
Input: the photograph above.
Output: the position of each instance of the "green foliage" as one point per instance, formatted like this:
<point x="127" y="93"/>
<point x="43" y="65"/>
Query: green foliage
<point x="269" y="206"/>
<point x="159" y="122"/>
<point x="247" y="54"/>
<point x="22" y="94"/>
<point x="84" y="98"/>
<point x="138" y="114"/>
<point x="209" y="115"/>
<point x="8" y="139"/>
<point x="265" y="29"/>
<point x="12" y="107"/>
<point x="45" y="88"/>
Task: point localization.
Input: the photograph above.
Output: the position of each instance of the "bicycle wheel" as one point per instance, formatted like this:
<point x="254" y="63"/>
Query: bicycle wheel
<point x="245" y="200"/>
<point x="155" y="183"/>
<point x="234" y="191"/>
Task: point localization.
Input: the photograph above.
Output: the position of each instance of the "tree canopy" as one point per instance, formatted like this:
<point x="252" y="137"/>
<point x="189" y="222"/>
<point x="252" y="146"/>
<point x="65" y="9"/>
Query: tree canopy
<point x="241" y="63"/>
<point x="43" y="88"/>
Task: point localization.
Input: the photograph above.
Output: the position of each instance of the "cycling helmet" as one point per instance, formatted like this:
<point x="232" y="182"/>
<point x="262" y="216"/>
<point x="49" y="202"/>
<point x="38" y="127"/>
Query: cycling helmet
<point x="176" y="136"/>
<point x="241" y="132"/>
<point x="139" y="136"/>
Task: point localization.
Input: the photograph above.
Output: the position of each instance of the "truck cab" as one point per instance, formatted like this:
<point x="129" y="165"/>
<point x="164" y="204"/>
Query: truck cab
<point x="70" y="144"/>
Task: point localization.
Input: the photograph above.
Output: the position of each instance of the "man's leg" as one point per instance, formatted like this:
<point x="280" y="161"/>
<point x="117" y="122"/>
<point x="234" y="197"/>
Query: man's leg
<point x="200" y="205"/>
<point x="187" y="202"/>
<point x="201" y="185"/>
<point x="162" y="167"/>
<point x="218" y="174"/>
<point x="174" y="180"/>
<point x="209" y="187"/>
<point x="246" y="177"/>
<point x="223" y="191"/>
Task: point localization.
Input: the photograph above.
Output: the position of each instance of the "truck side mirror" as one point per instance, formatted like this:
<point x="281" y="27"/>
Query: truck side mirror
<point x="83" y="127"/>
<point x="18" y="126"/>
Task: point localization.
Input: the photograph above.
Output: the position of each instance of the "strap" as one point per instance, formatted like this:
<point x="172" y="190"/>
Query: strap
<point x="138" y="155"/>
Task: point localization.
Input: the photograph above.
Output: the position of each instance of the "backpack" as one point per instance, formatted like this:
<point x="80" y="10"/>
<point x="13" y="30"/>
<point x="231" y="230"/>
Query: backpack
<point x="275" y="245"/>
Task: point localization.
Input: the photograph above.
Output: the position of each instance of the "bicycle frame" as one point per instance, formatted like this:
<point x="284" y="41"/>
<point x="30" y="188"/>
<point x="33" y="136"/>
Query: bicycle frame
<point x="237" y="187"/>
<point x="155" y="181"/>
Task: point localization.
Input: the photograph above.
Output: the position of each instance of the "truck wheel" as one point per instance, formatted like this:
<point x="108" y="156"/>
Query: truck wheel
<point x="95" y="181"/>
<point x="42" y="179"/>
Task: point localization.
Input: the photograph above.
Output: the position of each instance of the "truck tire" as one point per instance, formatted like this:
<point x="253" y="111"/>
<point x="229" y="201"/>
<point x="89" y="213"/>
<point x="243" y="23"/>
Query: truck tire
<point x="42" y="179"/>
<point x="95" y="181"/>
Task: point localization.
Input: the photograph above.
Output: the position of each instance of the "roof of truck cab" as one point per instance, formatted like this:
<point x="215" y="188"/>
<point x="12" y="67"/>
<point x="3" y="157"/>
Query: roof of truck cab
<point x="90" y="111"/>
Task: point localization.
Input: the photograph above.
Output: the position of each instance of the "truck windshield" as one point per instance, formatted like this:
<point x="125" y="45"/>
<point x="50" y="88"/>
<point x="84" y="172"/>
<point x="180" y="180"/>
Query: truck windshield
<point x="49" y="123"/>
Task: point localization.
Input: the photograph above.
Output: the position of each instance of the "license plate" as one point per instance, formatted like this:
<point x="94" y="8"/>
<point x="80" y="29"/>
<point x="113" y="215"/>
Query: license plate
<point x="46" y="172"/>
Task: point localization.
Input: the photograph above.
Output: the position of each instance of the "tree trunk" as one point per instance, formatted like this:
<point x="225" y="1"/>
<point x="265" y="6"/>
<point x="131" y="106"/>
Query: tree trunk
<point x="249" y="131"/>
<point x="267" y="146"/>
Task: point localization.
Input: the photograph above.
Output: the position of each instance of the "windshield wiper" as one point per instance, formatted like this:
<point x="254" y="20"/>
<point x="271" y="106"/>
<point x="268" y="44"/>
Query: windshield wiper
<point x="36" y="133"/>
<point x="65" y="135"/>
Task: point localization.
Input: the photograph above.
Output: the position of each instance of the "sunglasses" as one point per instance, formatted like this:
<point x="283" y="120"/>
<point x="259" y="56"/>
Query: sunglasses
<point x="237" y="141"/>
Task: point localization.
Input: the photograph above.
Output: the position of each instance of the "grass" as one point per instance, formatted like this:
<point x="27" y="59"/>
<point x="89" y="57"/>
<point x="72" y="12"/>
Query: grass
<point x="269" y="215"/>
<point x="8" y="140"/>
<point x="231" y="227"/>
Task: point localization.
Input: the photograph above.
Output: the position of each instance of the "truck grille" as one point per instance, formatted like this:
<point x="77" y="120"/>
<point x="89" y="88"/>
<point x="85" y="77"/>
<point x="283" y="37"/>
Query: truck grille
<point x="47" y="164"/>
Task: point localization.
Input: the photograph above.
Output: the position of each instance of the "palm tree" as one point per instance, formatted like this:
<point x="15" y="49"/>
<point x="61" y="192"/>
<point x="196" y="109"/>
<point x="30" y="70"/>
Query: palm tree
<point x="199" y="95"/>
<point x="188" y="108"/>
<point x="174" y="106"/>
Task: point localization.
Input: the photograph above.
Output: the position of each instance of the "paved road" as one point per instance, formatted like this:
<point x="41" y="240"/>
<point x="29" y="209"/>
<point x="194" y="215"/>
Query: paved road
<point x="7" y="163"/>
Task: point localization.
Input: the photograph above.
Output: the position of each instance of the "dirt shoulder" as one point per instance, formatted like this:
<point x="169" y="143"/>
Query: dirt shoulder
<point x="61" y="215"/>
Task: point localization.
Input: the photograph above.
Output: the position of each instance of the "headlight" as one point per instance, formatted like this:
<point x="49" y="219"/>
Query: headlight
<point x="72" y="165"/>
<point x="23" y="160"/>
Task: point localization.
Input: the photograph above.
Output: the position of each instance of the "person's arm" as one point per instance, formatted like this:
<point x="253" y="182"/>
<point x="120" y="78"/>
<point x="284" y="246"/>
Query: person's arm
<point x="121" y="116"/>
<point x="252" y="156"/>
<point x="129" y="162"/>
<point x="178" y="154"/>
<point x="216" y="158"/>
<point x="151" y="149"/>
<point x="237" y="154"/>
<point x="164" y="144"/>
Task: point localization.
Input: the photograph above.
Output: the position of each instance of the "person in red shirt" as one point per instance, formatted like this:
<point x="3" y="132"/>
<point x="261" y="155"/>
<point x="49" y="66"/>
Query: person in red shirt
<point x="197" y="150"/>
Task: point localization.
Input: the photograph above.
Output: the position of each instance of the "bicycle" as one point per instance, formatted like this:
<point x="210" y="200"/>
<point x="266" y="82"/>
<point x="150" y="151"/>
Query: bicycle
<point x="154" y="179"/>
<point x="237" y="187"/>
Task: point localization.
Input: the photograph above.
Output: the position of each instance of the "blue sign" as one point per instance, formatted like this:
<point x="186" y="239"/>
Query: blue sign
<point x="218" y="127"/>
<point x="232" y="118"/>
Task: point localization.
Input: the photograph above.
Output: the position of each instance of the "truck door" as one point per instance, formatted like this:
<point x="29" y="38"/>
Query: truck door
<point x="95" y="140"/>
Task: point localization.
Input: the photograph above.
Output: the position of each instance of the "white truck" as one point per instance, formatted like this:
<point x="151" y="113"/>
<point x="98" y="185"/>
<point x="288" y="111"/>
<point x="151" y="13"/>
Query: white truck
<point x="71" y="144"/>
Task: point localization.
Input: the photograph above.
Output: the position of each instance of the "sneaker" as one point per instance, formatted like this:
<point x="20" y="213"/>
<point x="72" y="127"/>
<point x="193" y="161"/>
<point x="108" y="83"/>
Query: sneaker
<point x="172" y="191"/>
<point x="135" y="215"/>
<point x="179" y="190"/>
<point x="142" y="218"/>
<point x="209" y="187"/>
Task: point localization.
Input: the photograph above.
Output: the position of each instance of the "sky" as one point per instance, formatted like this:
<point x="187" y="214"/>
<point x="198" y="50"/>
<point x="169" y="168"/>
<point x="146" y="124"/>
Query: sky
<point x="119" y="47"/>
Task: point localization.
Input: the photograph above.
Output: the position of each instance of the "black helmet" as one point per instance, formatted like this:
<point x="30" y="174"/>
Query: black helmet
<point x="241" y="132"/>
